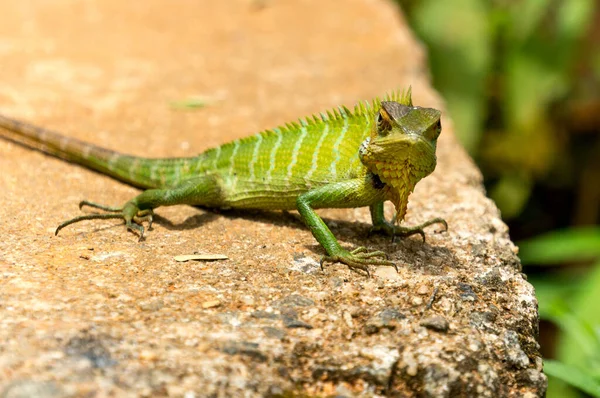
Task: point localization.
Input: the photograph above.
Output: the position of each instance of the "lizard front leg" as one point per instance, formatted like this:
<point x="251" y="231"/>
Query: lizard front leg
<point x="352" y="193"/>
<point x="380" y="224"/>
<point x="204" y="190"/>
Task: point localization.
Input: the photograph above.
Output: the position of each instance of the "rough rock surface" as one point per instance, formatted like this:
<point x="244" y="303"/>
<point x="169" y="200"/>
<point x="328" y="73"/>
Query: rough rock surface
<point x="94" y="312"/>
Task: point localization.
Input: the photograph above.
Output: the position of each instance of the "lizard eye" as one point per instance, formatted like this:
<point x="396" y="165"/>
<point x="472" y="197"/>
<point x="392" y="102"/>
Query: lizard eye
<point x="383" y="124"/>
<point x="434" y="131"/>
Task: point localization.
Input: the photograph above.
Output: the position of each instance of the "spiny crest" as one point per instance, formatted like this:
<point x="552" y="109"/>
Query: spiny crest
<point x="368" y="108"/>
<point x="361" y="108"/>
<point x="341" y="112"/>
<point x="402" y="96"/>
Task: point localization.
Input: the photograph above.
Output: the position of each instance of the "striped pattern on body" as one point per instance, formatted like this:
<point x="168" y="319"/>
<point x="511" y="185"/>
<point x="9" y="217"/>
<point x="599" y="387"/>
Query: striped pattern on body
<point x="277" y="165"/>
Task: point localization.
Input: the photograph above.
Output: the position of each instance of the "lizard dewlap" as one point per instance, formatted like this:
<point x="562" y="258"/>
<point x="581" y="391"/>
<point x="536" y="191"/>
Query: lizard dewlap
<point x="375" y="152"/>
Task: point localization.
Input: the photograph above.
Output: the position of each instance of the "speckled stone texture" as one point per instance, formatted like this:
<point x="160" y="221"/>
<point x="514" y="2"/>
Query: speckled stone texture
<point x="93" y="312"/>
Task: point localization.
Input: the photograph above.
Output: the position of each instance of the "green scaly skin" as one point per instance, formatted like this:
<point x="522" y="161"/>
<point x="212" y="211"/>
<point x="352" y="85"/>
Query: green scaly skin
<point x="339" y="159"/>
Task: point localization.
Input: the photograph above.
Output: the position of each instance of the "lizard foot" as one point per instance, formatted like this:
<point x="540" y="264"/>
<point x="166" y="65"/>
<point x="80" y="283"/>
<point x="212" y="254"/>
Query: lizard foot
<point x="359" y="259"/>
<point x="130" y="213"/>
<point x="395" y="230"/>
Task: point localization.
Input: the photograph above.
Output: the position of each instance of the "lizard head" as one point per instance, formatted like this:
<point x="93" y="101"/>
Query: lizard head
<point x="401" y="148"/>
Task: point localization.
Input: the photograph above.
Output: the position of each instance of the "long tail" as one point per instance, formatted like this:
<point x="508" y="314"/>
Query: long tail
<point x="136" y="171"/>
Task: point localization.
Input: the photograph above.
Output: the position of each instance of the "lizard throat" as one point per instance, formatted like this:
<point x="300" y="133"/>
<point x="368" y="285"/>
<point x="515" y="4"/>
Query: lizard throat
<point x="400" y="181"/>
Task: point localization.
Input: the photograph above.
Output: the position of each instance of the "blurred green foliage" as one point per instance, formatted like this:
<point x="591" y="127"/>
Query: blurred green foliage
<point x="569" y="300"/>
<point x="522" y="83"/>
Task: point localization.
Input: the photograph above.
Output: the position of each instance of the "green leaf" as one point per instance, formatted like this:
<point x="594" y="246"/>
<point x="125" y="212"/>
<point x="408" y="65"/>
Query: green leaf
<point x="579" y="344"/>
<point x="556" y="247"/>
<point x="578" y="341"/>
<point x="574" y="18"/>
<point x="553" y="290"/>
<point x="573" y="375"/>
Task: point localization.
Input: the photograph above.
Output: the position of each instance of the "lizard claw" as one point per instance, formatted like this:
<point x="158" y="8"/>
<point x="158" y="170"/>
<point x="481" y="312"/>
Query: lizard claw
<point x="400" y="231"/>
<point x="130" y="213"/>
<point x="359" y="259"/>
<point x="408" y="232"/>
<point x="135" y="227"/>
<point x="144" y="215"/>
<point x="138" y="219"/>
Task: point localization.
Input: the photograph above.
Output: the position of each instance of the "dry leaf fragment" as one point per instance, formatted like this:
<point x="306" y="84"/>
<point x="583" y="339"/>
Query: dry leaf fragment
<point x="200" y="257"/>
<point x="211" y="304"/>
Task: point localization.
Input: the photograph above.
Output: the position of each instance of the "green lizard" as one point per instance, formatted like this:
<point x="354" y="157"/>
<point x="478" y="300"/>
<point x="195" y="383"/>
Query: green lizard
<point x="342" y="158"/>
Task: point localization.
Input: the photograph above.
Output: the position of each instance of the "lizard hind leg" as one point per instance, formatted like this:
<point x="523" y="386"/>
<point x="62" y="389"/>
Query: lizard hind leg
<point x="202" y="190"/>
<point x="130" y="213"/>
<point x="138" y="218"/>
